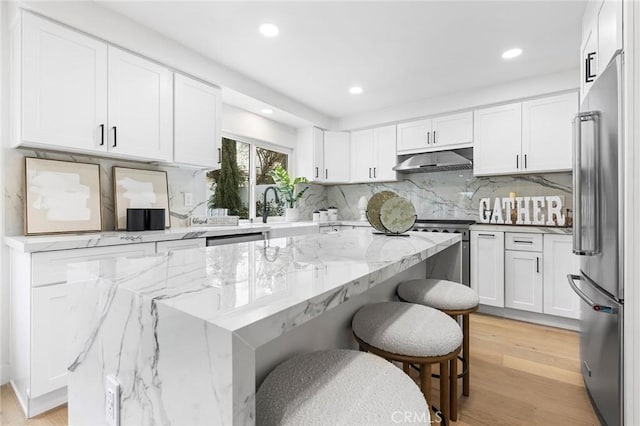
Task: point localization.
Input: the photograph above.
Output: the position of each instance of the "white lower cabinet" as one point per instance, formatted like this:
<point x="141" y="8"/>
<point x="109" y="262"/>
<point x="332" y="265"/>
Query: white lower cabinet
<point x="559" y="261"/>
<point x="487" y="267"/>
<point x="523" y="280"/>
<point x="529" y="275"/>
<point x="40" y="320"/>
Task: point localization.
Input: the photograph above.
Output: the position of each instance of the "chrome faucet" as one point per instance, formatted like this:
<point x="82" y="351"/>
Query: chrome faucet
<point x="265" y="209"/>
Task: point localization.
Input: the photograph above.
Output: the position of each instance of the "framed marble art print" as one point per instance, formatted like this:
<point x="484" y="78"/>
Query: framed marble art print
<point x="61" y="197"/>
<point x="136" y="188"/>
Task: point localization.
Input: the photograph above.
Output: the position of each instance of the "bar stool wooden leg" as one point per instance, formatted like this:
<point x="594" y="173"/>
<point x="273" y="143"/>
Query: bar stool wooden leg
<point x="425" y="381"/>
<point x="405" y="367"/>
<point x="444" y="389"/>
<point x="453" y="388"/>
<point x="465" y="353"/>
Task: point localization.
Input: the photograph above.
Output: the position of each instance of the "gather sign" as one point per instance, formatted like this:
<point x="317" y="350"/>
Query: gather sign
<point x="537" y="210"/>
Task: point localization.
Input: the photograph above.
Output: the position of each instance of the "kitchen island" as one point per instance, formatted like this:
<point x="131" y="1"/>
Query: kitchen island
<point x="190" y="334"/>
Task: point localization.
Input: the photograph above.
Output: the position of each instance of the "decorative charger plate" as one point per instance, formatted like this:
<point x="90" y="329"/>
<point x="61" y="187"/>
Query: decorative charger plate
<point x="373" y="208"/>
<point x="398" y="215"/>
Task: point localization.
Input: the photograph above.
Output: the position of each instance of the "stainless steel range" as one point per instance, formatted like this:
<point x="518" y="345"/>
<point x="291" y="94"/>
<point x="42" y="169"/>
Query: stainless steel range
<point x="452" y="226"/>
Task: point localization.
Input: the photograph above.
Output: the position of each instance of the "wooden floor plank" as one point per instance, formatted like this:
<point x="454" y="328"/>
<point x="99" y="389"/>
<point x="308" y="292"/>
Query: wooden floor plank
<point x="522" y="374"/>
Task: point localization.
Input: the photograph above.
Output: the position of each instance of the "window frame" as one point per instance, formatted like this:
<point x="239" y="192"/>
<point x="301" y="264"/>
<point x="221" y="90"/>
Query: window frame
<point x="253" y="144"/>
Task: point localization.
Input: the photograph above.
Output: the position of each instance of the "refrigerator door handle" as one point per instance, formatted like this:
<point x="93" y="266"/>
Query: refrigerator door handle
<point x="586" y="232"/>
<point x="586" y="299"/>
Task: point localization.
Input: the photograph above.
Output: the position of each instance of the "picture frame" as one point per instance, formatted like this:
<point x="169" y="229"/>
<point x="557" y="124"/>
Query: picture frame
<point x="61" y="197"/>
<point x="138" y="188"/>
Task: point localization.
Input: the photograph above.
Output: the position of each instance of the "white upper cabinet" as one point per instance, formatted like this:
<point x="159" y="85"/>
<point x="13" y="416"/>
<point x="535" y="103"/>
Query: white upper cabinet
<point x="434" y="134"/>
<point x="547" y="133"/>
<point x="197" y="139"/>
<point x="373" y="154"/>
<point x="451" y="131"/>
<point x="59" y="87"/>
<point x="497" y="134"/>
<point x="140" y="107"/>
<point x="310" y="154"/>
<point x="337" y="162"/>
<point x="525" y="137"/>
<point x="414" y="135"/>
<point x="601" y="39"/>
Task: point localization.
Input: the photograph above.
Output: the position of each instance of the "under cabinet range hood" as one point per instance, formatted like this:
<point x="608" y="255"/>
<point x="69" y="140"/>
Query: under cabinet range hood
<point x="455" y="159"/>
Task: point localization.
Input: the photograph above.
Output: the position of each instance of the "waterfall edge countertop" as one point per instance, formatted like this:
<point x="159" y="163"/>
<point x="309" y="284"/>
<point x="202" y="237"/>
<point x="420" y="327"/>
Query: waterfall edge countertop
<point x="181" y="328"/>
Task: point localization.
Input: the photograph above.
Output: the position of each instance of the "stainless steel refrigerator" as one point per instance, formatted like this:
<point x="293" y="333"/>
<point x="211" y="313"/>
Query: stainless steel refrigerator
<point x="597" y="238"/>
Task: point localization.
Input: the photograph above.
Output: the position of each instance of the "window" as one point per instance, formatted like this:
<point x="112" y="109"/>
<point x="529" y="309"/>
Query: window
<point x="239" y="186"/>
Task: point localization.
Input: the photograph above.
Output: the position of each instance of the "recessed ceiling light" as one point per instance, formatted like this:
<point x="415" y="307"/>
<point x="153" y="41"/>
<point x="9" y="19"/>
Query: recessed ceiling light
<point x="269" y="30"/>
<point x="512" y="53"/>
<point x="266" y="111"/>
<point x="355" y="90"/>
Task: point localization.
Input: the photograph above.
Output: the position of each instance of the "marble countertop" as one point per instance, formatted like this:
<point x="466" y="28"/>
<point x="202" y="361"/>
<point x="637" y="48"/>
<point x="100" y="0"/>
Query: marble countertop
<point x="263" y="288"/>
<point x="523" y="229"/>
<point x="40" y="243"/>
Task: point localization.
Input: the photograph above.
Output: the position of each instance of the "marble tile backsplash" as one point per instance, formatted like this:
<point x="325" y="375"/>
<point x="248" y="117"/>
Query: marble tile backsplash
<point x="449" y="195"/>
<point x="180" y="180"/>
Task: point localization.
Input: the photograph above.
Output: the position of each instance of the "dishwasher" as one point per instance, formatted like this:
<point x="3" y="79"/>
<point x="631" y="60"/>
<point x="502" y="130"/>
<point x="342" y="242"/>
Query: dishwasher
<point x="236" y="238"/>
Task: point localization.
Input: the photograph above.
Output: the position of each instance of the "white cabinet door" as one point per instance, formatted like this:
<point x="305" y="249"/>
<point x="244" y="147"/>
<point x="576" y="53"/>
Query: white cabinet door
<point x="63" y="87"/>
<point x="414" y="135"/>
<point x="197" y="117"/>
<point x="384" y="153"/>
<point x="310" y="154"/>
<point x="589" y="58"/>
<point x="140" y="107"/>
<point x="165" y="246"/>
<point x="497" y="136"/>
<point x="559" y="261"/>
<point x="49" y="325"/>
<point x="452" y="130"/>
<point x="336" y="157"/>
<point x="547" y="133"/>
<point x="362" y="155"/>
<point x="609" y="31"/>
<point x="487" y="267"/>
<point x="318" y="154"/>
<point x="523" y="280"/>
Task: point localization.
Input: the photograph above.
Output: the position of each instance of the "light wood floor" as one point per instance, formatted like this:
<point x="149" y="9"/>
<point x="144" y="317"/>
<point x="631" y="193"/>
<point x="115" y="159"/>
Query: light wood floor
<point x="522" y="374"/>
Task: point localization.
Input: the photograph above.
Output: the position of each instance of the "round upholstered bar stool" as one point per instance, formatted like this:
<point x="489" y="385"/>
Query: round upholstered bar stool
<point x="451" y="298"/>
<point x="412" y="334"/>
<point x="338" y="387"/>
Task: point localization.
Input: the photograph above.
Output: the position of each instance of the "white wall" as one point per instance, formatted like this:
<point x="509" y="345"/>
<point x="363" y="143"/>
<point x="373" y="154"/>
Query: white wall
<point x="490" y="95"/>
<point x="108" y="25"/>
<point x="4" y="135"/>
<point x="243" y="123"/>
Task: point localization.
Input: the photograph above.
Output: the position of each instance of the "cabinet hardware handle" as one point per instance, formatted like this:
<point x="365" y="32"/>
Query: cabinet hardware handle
<point x="517" y="161"/>
<point x="588" y="78"/>
<point x="115" y="136"/>
<point x="486" y="235"/>
<point x="369" y="172"/>
<point x="537" y="264"/>
<point x="326" y="173"/>
<point x="434" y="137"/>
<point x="219" y="155"/>
<point x="523" y="242"/>
<point x="317" y="172"/>
<point x="101" y="134"/>
<point x="525" y="161"/>
<point x="374" y="172"/>
<point x="428" y="139"/>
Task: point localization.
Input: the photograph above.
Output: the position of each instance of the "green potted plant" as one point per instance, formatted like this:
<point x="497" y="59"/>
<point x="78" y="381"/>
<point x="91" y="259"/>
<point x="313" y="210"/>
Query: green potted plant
<point x="287" y="188"/>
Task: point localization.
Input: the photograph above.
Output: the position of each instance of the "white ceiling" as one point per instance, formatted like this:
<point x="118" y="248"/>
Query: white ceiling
<point x="398" y="52"/>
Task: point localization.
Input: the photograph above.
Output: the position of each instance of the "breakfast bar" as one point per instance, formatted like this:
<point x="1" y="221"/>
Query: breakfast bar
<point x="189" y="335"/>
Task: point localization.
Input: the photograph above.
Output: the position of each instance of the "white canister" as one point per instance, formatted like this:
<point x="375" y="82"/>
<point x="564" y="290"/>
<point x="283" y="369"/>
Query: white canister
<point x="332" y="213"/>
<point x="324" y="215"/>
<point x="316" y="216"/>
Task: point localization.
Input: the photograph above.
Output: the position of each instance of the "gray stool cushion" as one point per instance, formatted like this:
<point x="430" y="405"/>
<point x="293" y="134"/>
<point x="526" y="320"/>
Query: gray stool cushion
<point x="439" y="294"/>
<point x="338" y="387"/>
<point x="407" y="329"/>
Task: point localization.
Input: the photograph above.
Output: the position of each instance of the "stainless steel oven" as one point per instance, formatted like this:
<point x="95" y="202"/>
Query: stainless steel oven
<point x="451" y="226"/>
